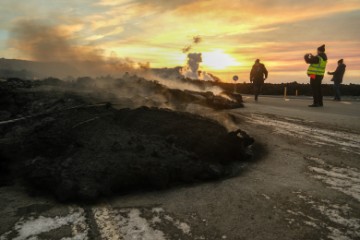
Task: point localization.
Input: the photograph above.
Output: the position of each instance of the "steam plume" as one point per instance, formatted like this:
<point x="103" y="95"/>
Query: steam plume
<point x="194" y="60"/>
<point x="193" y="63"/>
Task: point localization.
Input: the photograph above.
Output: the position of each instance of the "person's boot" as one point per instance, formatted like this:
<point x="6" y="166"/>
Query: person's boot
<point x="314" y="105"/>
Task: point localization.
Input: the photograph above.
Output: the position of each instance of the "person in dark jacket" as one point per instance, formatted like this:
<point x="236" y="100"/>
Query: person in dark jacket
<point x="338" y="78"/>
<point x="316" y="72"/>
<point x="258" y="75"/>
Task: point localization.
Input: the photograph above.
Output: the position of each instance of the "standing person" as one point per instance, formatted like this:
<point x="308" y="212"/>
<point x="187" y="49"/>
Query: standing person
<point x="316" y="72"/>
<point x="338" y="78"/>
<point x="258" y="75"/>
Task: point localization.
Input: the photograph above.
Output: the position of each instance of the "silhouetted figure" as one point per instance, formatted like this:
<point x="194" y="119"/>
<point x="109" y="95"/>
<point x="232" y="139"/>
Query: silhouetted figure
<point x="338" y="78"/>
<point x="258" y="75"/>
<point x="316" y="72"/>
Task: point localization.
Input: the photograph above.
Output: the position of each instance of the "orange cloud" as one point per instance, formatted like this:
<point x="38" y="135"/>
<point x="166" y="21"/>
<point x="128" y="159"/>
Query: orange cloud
<point x="156" y="30"/>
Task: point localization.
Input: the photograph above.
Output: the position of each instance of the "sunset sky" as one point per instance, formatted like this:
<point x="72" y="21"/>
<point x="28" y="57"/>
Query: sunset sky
<point x="234" y="32"/>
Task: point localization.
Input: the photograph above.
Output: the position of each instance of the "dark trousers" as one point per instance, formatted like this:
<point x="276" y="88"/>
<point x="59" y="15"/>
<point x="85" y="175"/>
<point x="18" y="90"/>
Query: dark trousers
<point x="337" y="91"/>
<point x="257" y="89"/>
<point x="316" y="90"/>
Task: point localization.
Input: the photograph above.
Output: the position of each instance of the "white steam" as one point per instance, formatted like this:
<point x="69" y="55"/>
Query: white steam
<point x="174" y="83"/>
<point x="191" y="71"/>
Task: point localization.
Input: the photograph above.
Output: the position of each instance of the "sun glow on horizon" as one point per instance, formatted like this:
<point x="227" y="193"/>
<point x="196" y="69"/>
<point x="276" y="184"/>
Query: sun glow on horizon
<point x="218" y="60"/>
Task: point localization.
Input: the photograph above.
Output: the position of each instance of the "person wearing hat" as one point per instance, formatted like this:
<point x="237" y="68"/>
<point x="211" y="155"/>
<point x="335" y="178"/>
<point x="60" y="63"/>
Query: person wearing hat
<point x="316" y="72"/>
<point x="338" y="78"/>
<point x="258" y="75"/>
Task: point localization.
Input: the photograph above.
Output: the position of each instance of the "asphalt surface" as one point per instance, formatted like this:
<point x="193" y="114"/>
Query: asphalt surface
<point x="342" y="114"/>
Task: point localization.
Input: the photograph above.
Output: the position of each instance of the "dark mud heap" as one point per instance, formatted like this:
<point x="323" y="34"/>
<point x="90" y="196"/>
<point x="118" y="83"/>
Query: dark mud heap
<point x="64" y="143"/>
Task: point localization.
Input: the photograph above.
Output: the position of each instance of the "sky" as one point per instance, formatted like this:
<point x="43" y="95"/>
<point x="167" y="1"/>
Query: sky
<point x="233" y="33"/>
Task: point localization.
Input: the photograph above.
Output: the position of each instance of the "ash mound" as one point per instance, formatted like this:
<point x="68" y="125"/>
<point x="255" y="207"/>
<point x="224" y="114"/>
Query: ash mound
<point x="61" y="143"/>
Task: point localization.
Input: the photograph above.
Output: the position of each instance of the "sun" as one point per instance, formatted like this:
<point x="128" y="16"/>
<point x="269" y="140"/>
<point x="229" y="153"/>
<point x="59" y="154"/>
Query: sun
<point x="218" y="60"/>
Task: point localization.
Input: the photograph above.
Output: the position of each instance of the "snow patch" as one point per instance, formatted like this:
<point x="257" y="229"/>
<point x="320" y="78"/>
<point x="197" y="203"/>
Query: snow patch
<point x="339" y="221"/>
<point x="32" y="227"/>
<point x="346" y="141"/>
<point x="343" y="179"/>
<point x="124" y="224"/>
<point x="266" y="196"/>
<point x="185" y="228"/>
<point x="111" y="223"/>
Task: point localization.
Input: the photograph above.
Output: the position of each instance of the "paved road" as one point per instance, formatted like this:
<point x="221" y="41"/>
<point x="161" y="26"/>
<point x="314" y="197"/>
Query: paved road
<point x="343" y="114"/>
<point x="303" y="185"/>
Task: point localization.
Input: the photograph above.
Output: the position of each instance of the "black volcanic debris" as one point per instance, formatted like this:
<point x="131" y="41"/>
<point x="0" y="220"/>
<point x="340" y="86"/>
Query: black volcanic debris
<point x="76" y="146"/>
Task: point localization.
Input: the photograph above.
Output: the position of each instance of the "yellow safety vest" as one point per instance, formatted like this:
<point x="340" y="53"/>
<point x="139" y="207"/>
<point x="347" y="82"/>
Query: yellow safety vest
<point x="317" y="68"/>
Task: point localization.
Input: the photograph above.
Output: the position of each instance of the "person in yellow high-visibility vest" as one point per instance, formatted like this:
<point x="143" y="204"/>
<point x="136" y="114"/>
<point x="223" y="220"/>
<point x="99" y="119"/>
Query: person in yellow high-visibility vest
<point x="316" y="72"/>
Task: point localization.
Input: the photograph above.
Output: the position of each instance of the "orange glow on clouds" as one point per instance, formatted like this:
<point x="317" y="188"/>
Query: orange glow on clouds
<point x="234" y="32"/>
<point x="218" y="60"/>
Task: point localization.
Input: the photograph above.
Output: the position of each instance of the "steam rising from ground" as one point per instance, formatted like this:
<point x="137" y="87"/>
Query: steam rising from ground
<point x="174" y="83"/>
<point x="55" y="44"/>
<point x="48" y="43"/>
<point x="149" y="90"/>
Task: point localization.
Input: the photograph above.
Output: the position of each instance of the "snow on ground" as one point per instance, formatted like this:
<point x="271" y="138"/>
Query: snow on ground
<point x="334" y="219"/>
<point x="126" y="224"/>
<point x="346" y="141"/>
<point x="34" y="226"/>
<point x="338" y="220"/>
<point x="343" y="179"/>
